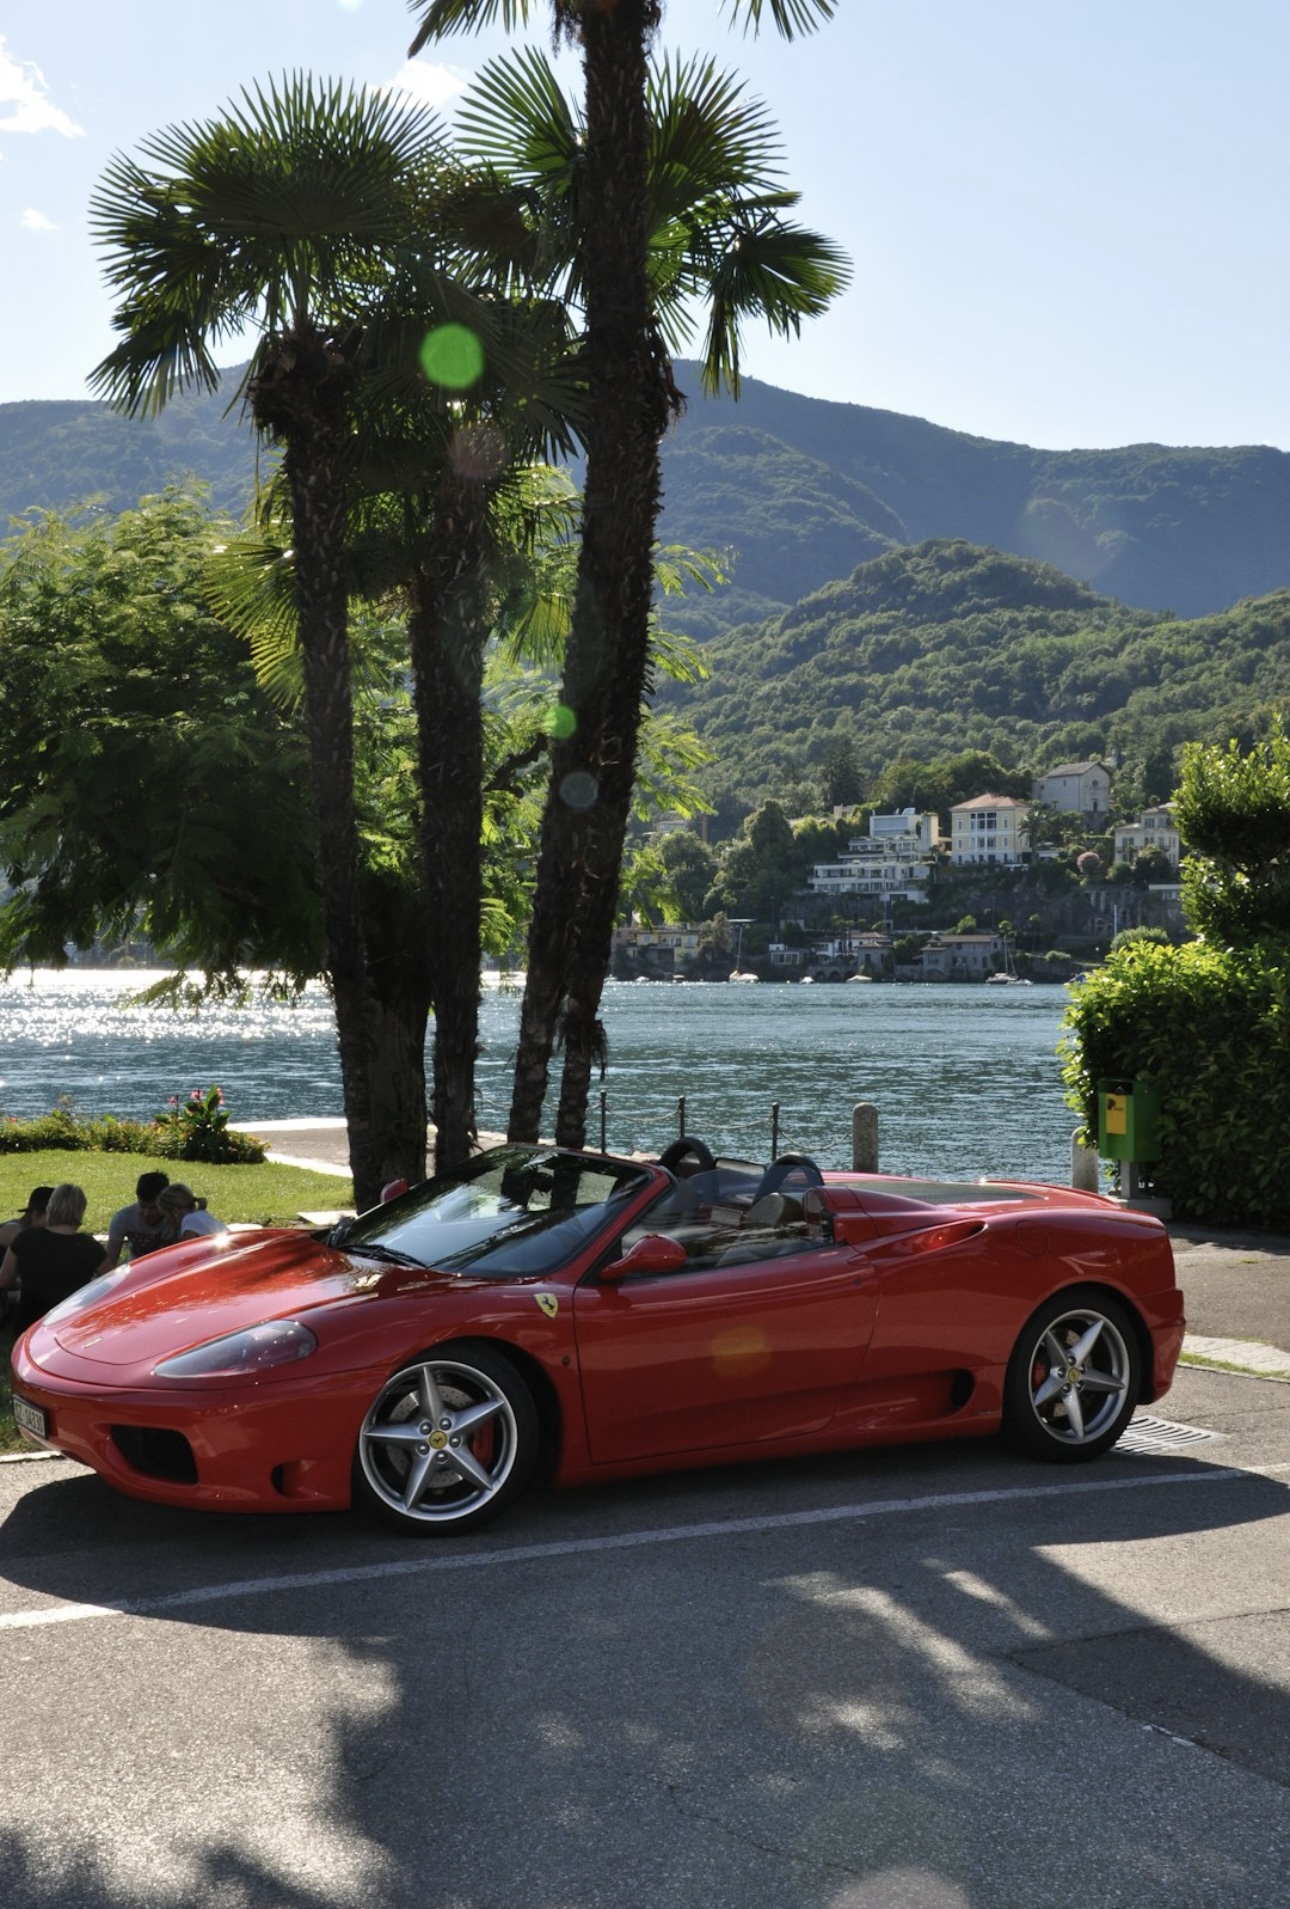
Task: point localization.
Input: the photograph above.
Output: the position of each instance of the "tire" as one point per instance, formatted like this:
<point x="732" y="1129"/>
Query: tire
<point x="447" y="1442"/>
<point x="1074" y="1378"/>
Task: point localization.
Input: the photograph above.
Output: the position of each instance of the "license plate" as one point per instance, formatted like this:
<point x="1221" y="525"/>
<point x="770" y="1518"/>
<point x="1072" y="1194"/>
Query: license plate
<point x="28" y="1418"/>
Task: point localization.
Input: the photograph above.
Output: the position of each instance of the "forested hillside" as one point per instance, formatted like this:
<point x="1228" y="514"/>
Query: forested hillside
<point x="1189" y="530"/>
<point x="56" y="455"/>
<point x="929" y="651"/>
<point x="797" y="490"/>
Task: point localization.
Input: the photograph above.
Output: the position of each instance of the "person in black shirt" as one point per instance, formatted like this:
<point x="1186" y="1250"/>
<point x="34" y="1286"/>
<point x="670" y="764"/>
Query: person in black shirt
<point x="33" y="1216"/>
<point x="54" y="1259"/>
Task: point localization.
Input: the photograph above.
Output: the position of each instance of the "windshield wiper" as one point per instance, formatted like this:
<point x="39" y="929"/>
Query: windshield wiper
<point x="374" y="1249"/>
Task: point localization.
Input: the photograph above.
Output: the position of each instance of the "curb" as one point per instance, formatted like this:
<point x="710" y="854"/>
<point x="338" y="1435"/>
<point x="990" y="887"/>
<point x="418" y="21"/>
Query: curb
<point x="1248" y="1357"/>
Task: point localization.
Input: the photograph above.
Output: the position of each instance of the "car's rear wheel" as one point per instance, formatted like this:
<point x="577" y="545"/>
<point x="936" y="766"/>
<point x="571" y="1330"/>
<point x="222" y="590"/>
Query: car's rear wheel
<point x="1073" y="1379"/>
<point x="447" y="1442"/>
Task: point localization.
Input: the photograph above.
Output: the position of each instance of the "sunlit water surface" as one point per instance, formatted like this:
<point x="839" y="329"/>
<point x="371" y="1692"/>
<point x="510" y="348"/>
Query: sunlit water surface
<point x="966" y="1079"/>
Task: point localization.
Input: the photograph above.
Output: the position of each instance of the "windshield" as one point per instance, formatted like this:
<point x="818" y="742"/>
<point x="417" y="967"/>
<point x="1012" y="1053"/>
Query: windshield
<point x="512" y="1213"/>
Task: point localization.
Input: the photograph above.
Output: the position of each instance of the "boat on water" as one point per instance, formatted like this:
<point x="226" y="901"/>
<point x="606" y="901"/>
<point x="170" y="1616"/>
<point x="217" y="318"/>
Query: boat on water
<point x="740" y="975"/>
<point x="1002" y="980"/>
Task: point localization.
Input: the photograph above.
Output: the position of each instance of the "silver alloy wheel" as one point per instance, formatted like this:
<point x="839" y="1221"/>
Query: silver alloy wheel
<point x="440" y="1441"/>
<point x="1080" y="1372"/>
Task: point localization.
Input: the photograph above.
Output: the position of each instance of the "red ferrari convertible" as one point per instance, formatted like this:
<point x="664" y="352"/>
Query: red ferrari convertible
<point x="606" y="1317"/>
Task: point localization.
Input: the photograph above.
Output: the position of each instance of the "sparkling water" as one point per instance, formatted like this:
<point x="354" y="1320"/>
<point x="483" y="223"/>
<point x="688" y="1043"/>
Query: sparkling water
<point x="966" y="1079"/>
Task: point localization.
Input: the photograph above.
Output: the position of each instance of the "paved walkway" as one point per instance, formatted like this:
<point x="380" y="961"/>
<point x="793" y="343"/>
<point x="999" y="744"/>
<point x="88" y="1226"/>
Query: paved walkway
<point x="1237" y="1284"/>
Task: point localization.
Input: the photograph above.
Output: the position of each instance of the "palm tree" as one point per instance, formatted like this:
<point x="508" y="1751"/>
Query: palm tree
<point x="631" y="399"/>
<point x="278" y="219"/>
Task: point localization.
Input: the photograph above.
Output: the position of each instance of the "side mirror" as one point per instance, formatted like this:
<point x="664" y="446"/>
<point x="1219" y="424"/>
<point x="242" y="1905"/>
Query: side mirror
<point x="654" y="1253"/>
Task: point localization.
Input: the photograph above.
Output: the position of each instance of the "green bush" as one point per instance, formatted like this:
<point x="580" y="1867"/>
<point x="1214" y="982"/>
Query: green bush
<point x="1211" y="1026"/>
<point x="197" y="1130"/>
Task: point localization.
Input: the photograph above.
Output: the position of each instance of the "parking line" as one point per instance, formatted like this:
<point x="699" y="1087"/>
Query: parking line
<point x="70" y="1613"/>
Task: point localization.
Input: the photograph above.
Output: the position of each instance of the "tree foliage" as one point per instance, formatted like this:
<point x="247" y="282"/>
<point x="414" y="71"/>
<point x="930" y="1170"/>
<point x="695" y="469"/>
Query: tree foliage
<point x="146" y="780"/>
<point x="1211" y="1027"/>
<point x="1233" y="813"/>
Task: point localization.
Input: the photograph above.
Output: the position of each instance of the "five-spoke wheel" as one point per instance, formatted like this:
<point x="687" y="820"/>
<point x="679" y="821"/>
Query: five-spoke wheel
<point x="447" y="1442"/>
<point x="1074" y="1378"/>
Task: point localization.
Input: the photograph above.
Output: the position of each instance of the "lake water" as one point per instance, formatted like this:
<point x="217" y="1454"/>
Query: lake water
<point x="966" y="1078"/>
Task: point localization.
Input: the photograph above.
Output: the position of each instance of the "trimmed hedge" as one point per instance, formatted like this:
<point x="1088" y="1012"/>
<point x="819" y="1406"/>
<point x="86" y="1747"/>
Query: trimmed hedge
<point x="1211" y="1026"/>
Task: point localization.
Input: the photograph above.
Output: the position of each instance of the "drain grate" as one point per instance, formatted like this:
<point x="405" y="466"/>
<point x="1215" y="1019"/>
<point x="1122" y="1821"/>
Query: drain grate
<point x="1150" y="1436"/>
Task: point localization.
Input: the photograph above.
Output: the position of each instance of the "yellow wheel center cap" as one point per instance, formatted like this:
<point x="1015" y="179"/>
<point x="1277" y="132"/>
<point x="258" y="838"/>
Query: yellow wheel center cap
<point x="438" y="1440"/>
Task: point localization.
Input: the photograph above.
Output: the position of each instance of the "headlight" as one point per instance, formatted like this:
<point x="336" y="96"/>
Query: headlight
<point x="278" y="1342"/>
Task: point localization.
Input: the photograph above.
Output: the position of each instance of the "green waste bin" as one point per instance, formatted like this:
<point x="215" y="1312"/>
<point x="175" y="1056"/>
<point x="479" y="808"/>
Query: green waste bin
<point x="1128" y="1119"/>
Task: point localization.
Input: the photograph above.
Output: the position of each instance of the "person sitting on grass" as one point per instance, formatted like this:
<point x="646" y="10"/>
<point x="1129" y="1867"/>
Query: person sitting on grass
<point x="33" y="1216"/>
<point x="141" y="1227"/>
<point x="52" y="1260"/>
<point x="185" y="1215"/>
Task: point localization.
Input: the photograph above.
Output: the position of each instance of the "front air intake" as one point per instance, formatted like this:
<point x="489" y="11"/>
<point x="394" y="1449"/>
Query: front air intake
<point x="156" y="1453"/>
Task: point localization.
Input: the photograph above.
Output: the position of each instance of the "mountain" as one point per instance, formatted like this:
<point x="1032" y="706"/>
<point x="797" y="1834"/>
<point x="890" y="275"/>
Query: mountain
<point x="945" y="646"/>
<point x="1189" y="529"/>
<point x="55" y="455"/>
<point x="798" y="490"/>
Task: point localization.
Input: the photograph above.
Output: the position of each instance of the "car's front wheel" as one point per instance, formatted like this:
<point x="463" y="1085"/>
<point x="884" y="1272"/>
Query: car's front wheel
<point x="1073" y="1379"/>
<point x="447" y="1442"/>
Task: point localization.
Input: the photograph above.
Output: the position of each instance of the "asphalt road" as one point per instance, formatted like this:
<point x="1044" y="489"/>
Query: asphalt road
<point x="939" y="1677"/>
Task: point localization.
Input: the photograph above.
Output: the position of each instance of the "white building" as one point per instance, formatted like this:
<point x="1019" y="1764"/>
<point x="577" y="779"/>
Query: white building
<point x="1154" y="828"/>
<point x="894" y="860"/>
<point x="1078" y="788"/>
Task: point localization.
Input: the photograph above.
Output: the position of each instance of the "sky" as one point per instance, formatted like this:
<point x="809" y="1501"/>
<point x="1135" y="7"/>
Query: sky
<point x="1068" y="220"/>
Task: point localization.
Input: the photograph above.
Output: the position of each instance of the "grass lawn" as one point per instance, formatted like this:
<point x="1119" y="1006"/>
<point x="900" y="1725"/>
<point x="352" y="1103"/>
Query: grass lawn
<point x="265" y="1195"/>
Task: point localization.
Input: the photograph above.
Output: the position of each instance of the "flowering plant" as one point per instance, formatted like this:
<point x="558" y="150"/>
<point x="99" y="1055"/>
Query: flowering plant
<point x="197" y="1129"/>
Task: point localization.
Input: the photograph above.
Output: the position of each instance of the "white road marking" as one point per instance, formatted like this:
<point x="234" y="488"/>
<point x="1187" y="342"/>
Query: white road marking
<point x="621" y="1541"/>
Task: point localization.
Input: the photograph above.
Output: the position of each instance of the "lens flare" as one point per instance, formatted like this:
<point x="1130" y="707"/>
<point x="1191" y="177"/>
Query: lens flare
<point x="561" y="722"/>
<point x="580" y="790"/>
<point x="452" y="357"/>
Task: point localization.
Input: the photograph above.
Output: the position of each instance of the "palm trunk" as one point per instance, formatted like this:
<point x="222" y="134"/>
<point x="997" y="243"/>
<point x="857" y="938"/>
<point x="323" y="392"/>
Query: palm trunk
<point x="447" y="629"/>
<point x="607" y="659"/>
<point x="394" y="912"/>
<point x="304" y="399"/>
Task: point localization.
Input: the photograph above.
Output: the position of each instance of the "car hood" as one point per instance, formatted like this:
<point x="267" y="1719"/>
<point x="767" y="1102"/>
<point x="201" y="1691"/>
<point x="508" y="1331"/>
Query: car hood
<point x="185" y="1295"/>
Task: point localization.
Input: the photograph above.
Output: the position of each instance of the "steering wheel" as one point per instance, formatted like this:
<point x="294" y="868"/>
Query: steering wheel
<point x="788" y="1165"/>
<point x="687" y="1149"/>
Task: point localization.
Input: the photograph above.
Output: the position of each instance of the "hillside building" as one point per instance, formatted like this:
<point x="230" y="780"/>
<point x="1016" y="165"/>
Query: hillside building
<point x="1154" y="828"/>
<point x="990" y="831"/>
<point x="1077" y="788"/>
<point x="894" y="860"/>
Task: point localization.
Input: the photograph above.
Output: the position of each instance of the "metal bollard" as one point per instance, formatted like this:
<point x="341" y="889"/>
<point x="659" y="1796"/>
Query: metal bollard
<point x="1085" y="1171"/>
<point x="864" y="1137"/>
<point x="774" y="1130"/>
<point x="680" y="1117"/>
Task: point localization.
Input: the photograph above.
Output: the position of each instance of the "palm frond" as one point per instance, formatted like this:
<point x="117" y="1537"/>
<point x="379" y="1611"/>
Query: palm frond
<point x="440" y="18"/>
<point x="789" y="17"/>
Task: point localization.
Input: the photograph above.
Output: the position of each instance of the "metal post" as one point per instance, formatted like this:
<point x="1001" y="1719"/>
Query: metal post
<point x="864" y="1137"/>
<point x="774" y="1130"/>
<point x="680" y="1117"/>
<point x="603" y="1098"/>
